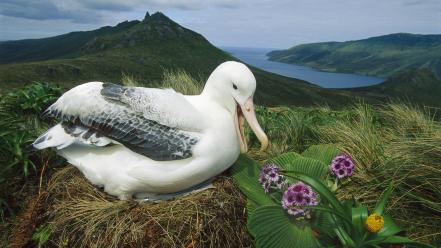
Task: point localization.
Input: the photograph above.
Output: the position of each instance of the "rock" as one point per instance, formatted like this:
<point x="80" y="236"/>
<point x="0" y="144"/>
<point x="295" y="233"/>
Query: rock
<point x="146" y="17"/>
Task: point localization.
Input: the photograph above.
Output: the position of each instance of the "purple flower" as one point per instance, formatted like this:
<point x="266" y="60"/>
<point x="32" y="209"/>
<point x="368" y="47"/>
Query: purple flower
<point x="270" y="176"/>
<point x="296" y="196"/>
<point x="342" y="166"/>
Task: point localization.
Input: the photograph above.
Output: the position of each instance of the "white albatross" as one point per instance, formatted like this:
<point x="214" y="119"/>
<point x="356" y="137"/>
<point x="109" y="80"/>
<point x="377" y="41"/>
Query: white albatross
<point x="133" y="140"/>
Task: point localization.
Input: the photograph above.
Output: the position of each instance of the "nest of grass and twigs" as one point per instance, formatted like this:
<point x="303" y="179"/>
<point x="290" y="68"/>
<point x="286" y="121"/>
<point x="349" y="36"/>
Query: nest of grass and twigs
<point x="81" y="215"/>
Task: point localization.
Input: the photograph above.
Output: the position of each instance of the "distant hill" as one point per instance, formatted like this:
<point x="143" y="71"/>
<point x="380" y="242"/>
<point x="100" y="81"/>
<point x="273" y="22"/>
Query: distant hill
<point x="62" y="46"/>
<point x="421" y="87"/>
<point x="142" y="49"/>
<point x="377" y="56"/>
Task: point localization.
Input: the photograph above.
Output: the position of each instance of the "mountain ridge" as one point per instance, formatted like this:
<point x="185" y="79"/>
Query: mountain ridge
<point x="382" y="56"/>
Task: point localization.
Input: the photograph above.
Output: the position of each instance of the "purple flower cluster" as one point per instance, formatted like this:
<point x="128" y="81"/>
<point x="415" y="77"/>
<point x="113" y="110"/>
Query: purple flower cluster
<point x="296" y="196"/>
<point x="342" y="166"/>
<point x="270" y="176"/>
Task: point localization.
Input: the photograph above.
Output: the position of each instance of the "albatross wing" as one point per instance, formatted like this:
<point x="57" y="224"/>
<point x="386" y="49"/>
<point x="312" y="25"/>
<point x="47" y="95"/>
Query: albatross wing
<point x="160" y="124"/>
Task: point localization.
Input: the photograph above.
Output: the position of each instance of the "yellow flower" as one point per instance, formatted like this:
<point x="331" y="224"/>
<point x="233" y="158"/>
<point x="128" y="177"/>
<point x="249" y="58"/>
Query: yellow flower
<point x="374" y="223"/>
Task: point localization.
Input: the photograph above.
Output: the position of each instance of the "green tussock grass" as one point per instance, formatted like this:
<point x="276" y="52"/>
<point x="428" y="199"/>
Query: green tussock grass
<point x="182" y="82"/>
<point x="400" y="144"/>
<point x="178" y="80"/>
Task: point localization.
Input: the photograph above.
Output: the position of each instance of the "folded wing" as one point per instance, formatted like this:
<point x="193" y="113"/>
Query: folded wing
<point x="159" y="124"/>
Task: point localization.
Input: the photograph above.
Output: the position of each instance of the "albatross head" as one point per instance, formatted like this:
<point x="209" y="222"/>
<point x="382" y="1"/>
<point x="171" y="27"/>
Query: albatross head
<point x="233" y="85"/>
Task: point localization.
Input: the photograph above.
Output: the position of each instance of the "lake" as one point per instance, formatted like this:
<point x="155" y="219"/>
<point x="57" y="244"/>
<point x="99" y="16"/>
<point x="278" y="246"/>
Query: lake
<point x="257" y="57"/>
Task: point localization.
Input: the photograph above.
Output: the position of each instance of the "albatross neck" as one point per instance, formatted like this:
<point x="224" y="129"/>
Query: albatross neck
<point x="216" y="89"/>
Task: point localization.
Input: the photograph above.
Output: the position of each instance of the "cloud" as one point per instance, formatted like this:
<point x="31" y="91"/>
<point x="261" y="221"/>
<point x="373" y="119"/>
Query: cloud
<point x="89" y="11"/>
<point x="46" y="10"/>
<point x="256" y="23"/>
<point x="192" y="4"/>
<point x="115" y="6"/>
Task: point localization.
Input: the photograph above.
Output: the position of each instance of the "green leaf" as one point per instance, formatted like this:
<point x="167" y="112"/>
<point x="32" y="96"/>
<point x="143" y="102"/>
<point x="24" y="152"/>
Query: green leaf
<point x="251" y="206"/>
<point x="294" y="162"/>
<point x="273" y="228"/>
<point x="308" y="166"/>
<point x="381" y="204"/>
<point x="245" y="173"/>
<point x="285" y="159"/>
<point x="322" y="220"/>
<point x="322" y="152"/>
<point x="359" y="216"/>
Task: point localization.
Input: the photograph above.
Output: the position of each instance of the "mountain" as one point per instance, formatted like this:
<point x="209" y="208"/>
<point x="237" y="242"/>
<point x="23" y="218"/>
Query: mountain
<point x="419" y="86"/>
<point x="382" y="56"/>
<point x="142" y="49"/>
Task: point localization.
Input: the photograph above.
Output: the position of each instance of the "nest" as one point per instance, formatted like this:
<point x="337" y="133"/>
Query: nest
<point x="81" y="215"/>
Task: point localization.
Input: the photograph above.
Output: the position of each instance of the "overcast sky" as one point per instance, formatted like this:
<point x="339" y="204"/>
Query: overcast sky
<point x="246" y="23"/>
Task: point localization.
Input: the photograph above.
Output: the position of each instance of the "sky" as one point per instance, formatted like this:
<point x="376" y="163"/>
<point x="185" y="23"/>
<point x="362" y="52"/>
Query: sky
<point x="240" y="23"/>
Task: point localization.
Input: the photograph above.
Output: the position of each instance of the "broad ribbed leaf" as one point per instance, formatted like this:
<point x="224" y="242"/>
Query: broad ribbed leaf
<point x="293" y="162"/>
<point x="284" y="159"/>
<point x="308" y="166"/>
<point x="245" y="173"/>
<point x="273" y="228"/>
<point x="323" y="152"/>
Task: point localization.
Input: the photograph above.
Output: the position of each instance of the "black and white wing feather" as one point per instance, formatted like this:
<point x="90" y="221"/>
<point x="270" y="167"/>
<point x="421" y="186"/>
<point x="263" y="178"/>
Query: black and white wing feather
<point x="160" y="124"/>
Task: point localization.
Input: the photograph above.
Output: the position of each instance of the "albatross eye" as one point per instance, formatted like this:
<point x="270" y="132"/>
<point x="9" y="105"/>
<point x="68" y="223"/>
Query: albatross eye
<point x="234" y="87"/>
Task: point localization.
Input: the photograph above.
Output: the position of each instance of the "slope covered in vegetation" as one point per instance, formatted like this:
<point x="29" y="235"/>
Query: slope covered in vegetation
<point x="420" y="87"/>
<point x="379" y="56"/>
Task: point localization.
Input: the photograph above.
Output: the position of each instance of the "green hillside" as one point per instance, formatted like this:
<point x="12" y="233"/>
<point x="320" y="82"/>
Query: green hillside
<point x="378" y="56"/>
<point x="420" y="87"/>
<point x="66" y="45"/>
<point x="143" y="50"/>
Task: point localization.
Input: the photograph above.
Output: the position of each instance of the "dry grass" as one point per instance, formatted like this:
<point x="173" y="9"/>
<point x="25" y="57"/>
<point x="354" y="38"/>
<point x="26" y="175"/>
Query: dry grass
<point x="84" y="216"/>
<point x="178" y="80"/>
<point x="130" y="81"/>
<point x="26" y="222"/>
<point x="182" y="82"/>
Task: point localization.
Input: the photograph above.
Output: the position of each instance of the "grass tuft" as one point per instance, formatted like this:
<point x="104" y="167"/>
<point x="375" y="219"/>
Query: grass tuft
<point x="182" y="82"/>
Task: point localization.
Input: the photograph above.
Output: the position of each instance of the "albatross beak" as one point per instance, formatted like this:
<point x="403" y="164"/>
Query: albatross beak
<point x="247" y="111"/>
